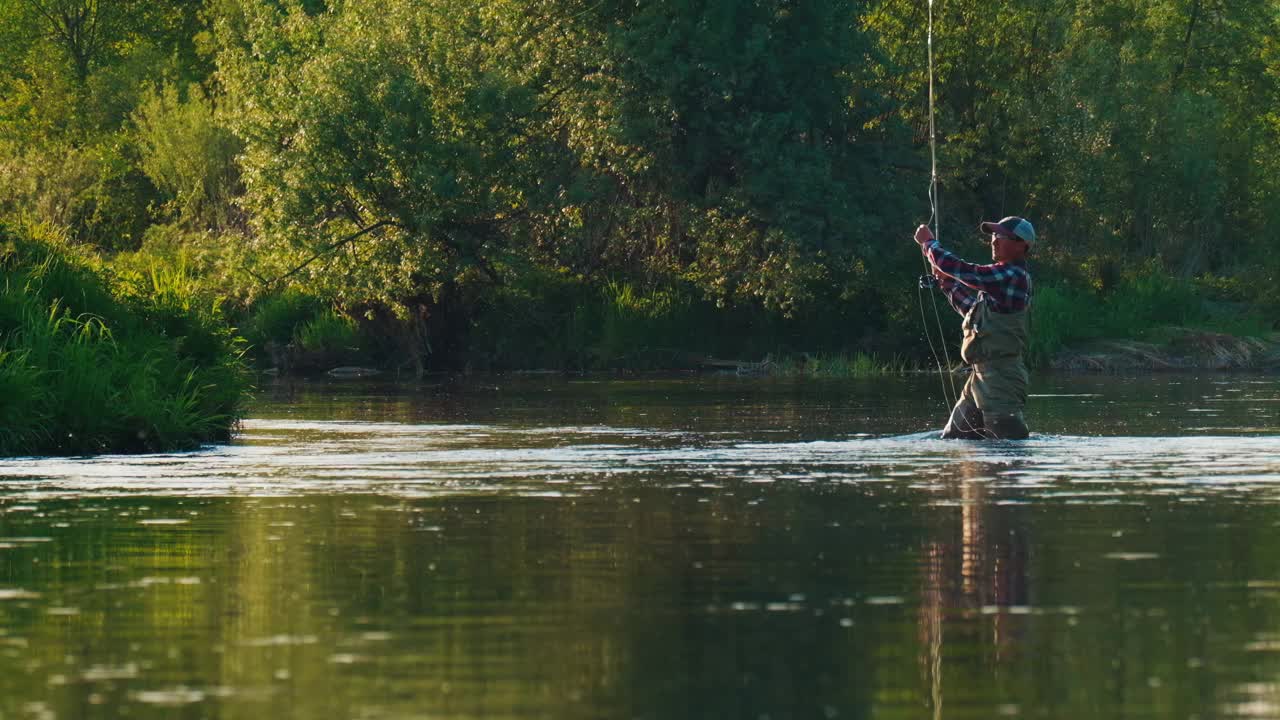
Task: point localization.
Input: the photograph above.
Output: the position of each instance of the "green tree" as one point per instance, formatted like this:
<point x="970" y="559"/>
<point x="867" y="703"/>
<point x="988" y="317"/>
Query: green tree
<point x="1129" y="128"/>
<point x="728" y="144"/>
<point x="734" y="144"/>
<point x="381" y="142"/>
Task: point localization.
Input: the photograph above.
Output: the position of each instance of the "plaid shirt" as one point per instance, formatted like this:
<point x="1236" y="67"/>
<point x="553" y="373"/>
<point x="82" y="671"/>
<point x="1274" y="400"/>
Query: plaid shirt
<point x="1007" y="286"/>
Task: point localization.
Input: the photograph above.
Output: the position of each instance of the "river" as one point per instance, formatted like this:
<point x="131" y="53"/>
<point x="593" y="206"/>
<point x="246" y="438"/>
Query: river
<point x="701" y="547"/>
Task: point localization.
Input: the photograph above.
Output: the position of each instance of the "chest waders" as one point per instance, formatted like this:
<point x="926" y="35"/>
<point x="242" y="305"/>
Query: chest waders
<point x="991" y="404"/>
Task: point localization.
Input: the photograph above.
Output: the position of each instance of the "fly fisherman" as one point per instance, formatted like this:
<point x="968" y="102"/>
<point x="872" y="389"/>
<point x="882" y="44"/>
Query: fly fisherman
<point x="994" y="300"/>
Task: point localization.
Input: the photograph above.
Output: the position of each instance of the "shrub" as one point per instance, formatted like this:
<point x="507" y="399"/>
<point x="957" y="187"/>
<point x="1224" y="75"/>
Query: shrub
<point x="276" y="319"/>
<point x="189" y="156"/>
<point x="93" y="193"/>
<point x="328" y="332"/>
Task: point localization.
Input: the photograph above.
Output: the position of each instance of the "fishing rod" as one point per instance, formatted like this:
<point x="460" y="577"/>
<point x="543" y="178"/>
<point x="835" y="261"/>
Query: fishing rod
<point x="928" y="280"/>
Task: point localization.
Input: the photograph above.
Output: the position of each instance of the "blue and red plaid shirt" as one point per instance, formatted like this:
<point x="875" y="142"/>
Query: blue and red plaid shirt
<point x="1007" y="286"/>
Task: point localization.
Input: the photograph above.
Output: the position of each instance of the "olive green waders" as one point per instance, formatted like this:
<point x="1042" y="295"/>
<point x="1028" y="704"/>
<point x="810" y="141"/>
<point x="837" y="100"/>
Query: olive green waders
<point x="991" y="404"/>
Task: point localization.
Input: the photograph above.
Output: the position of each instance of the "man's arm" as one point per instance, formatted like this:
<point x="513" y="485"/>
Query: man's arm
<point x="1008" y="285"/>
<point x="960" y="297"/>
<point x="991" y="279"/>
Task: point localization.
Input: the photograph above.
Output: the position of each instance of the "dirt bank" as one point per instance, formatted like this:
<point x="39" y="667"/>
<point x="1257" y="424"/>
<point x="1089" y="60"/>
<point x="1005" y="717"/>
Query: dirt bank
<point x="1186" y="349"/>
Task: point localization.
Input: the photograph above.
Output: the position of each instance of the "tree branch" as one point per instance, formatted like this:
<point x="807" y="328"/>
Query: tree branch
<point x="330" y="248"/>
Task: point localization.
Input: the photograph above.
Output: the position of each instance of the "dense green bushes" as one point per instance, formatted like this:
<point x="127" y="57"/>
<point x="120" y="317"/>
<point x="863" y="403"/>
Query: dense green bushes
<point x="555" y="320"/>
<point x="90" y="364"/>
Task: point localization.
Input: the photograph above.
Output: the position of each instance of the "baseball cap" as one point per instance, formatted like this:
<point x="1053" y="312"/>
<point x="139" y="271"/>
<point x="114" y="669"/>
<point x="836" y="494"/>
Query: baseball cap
<point x="1012" y="226"/>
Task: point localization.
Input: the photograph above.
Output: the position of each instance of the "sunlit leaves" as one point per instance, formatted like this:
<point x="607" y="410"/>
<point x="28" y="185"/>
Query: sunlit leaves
<point x="586" y="135"/>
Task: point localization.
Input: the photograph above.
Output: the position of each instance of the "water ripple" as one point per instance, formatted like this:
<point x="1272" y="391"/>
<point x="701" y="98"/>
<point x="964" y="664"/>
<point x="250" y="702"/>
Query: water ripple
<point x="289" y="457"/>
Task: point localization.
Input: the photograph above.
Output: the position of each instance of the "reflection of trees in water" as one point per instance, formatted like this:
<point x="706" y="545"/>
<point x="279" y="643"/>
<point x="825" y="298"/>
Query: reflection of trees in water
<point x="780" y="408"/>
<point x="976" y="564"/>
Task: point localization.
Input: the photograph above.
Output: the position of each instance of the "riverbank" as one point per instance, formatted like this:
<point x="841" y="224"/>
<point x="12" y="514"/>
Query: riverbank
<point x="96" y="360"/>
<point x="1149" y="321"/>
<point x="1168" y="349"/>
<point x="1186" y="349"/>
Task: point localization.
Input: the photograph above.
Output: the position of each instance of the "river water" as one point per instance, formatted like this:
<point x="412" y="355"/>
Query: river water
<point x="705" y="547"/>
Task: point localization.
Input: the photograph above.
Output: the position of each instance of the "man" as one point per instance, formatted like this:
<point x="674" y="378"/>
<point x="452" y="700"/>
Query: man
<point x="994" y="300"/>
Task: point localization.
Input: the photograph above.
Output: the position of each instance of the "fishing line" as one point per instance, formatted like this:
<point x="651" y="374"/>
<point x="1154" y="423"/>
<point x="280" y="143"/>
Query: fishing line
<point x="935" y="221"/>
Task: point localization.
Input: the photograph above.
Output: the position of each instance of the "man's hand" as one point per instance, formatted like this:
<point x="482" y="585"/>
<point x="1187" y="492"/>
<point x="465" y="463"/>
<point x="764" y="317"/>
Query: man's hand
<point x="924" y="234"/>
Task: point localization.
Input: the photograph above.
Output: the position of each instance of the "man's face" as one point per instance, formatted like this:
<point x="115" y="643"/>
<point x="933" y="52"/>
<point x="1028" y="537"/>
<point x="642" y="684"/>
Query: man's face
<point x="1007" y="249"/>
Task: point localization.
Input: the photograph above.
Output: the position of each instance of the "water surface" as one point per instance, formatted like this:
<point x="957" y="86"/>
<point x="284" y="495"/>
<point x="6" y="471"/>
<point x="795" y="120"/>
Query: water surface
<point x="708" y="547"/>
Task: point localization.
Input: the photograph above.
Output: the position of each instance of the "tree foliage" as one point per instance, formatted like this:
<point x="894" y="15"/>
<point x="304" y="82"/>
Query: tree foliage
<point x="190" y="157"/>
<point x="726" y="145"/>
<point x="423" y="158"/>
<point x="1129" y="128"/>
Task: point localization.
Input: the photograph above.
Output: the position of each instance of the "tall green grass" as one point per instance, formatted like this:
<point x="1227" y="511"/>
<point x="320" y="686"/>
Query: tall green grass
<point x="328" y="332"/>
<point x="93" y="362"/>
<point x="278" y="318"/>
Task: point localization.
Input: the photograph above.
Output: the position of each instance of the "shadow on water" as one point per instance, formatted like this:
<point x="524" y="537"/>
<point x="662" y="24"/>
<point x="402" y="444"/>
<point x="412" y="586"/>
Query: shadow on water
<point x="658" y="549"/>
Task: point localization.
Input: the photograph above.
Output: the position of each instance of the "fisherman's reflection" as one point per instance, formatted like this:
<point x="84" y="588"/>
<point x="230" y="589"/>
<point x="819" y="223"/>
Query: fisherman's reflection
<point x="976" y="579"/>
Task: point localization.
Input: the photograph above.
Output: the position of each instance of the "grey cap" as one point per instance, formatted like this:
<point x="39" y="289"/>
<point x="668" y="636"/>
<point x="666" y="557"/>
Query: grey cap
<point x="1012" y="226"/>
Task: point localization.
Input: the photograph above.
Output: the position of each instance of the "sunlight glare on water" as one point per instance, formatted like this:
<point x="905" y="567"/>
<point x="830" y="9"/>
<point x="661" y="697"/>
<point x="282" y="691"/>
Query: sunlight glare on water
<point x="286" y="457"/>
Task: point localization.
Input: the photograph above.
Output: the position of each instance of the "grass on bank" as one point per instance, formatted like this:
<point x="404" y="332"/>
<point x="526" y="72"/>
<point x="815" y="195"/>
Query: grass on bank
<point x="1149" y="307"/>
<point x="94" y="362"/>
<point x="839" y="365"/>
